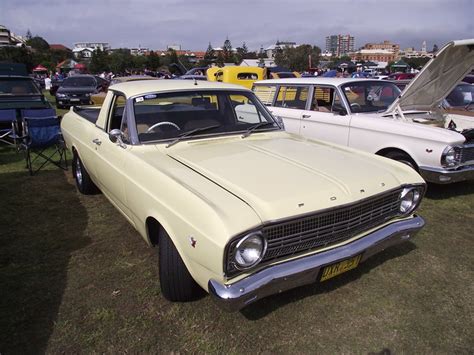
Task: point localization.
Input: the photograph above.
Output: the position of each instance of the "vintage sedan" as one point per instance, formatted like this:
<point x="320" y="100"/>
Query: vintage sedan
<point x="237" y="206"/>
<point x="375" y="116"/>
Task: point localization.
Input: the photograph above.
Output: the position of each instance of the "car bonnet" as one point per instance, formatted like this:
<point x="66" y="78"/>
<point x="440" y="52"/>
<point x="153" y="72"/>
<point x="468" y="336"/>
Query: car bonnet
<point x="438" y="77"/>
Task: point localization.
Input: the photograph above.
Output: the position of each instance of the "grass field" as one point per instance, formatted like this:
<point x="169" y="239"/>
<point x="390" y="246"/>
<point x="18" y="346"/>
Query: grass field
<point x="76" y="278"/>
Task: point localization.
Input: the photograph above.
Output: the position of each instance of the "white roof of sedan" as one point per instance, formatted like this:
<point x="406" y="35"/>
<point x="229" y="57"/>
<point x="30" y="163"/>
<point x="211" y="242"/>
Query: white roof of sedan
<point x="134" y="88"/>
<point x="314" y="80"/>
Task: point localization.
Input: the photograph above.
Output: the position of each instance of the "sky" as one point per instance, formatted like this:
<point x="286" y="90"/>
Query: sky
<point x="155" y="24"/>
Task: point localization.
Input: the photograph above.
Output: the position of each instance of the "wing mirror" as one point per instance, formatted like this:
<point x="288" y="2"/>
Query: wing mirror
<point x="280" y="122"/>
<point x="116" y="136"/>
<point x="340" y="110"/>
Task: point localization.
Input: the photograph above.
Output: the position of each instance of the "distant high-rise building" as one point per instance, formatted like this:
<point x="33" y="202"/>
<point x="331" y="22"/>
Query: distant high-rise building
<point x="340" y="44"/>
<point x="423" y="46"/>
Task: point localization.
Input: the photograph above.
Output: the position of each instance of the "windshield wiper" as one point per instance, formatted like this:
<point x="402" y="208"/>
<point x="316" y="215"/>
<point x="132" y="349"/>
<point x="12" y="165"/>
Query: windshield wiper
<point x="254" y="127"/>
<point x="190" y="133"/>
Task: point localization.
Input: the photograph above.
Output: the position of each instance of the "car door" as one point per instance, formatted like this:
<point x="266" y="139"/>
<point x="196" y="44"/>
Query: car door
<point x="325" y="119"/>
<point x="111" y="156"/>
<point x="290" y="103"/>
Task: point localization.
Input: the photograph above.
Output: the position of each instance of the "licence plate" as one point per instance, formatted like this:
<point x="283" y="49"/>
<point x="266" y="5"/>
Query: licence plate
<point x="75" y="100"/>
<point x="333" y="270"/>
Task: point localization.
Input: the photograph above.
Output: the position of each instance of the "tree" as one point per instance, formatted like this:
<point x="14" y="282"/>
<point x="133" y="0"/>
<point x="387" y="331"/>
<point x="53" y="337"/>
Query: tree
<point x="99" y="62"/>
<point x="16" y="55"/>
<point x="38" y="44"/>
<point x="435" y="48"/>
<point x="416" y="62"/>
<point x="298" y="58"/>
<point x="120" y="60"/>
<point x="242" y="53"/>
<point x="220" y="59"/>
<point x="153" y="61"/>
<point x="227" y="52"/>
<point x="209" y="57"/>
<point x="28" y="35"/>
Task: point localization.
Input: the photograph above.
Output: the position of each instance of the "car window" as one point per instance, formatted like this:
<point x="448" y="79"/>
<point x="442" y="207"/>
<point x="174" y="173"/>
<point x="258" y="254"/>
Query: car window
<point x="323" y="98"/>
<point x="78" y="82"/>
<point x="168" y="115"/>
<point x="292" y="97"/>
<point x="265" y="93"/>
<point x="14" y="86"/>
<point x="370" y="96"/>
<point x="247" y="76"/>
<point x="117" y="116"/>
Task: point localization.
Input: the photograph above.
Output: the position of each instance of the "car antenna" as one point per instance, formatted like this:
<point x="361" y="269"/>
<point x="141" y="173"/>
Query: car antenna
<point x="195" y="81"/>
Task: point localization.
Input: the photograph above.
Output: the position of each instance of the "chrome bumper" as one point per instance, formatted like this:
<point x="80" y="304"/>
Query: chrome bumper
<point x="306" y="270"/>
<point x="444" y="176"/>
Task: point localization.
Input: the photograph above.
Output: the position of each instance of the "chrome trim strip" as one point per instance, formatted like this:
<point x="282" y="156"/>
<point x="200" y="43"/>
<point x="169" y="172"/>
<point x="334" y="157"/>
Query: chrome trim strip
<point x="287" y="275"/>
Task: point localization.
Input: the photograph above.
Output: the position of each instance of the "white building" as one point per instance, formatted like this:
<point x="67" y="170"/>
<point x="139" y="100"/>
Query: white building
<point x="83" y="52"/>
<point x="103" y="46"/>
<point x="279" y="45"/>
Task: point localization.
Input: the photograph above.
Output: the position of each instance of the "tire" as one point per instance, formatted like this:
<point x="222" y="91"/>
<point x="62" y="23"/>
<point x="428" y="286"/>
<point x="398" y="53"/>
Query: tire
<point x="84" y="183"/>
<point x="402" y="158"/>
<point x="177" y="284"/>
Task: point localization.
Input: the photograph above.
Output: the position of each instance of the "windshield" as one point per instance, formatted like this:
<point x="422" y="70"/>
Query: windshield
<point x="462" y="95"/>
<point x="18" y="86"/>
<point x="370" y="95"/>
<point x="78" y="82"/>
<point x="168" y="116"/>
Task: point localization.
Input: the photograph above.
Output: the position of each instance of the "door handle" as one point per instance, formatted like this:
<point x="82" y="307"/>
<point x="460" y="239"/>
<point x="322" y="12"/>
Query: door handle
<point x="97" y="141"/>
<point x="306" y="116"/>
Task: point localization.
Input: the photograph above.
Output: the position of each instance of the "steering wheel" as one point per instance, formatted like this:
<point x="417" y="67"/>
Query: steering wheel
<point x="355" y="106"/>
<point x="167" y="123"/>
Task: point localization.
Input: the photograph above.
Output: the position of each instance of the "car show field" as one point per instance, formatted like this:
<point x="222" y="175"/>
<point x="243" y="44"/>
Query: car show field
<point x="76" y="277"/>
<point x="311" y="196"/>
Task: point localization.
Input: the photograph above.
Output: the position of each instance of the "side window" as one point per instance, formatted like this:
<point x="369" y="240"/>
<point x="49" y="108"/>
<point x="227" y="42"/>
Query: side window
<point x="247" y="76"/>
<point x="292" y="97"/>
<point x="118" y="116"/>
<point x="266" y="94"/>
<point x="322" y="99"/>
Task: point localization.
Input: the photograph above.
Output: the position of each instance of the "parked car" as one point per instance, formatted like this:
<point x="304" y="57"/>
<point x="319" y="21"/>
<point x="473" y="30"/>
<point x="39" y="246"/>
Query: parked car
<point x="237" y="206"/>
<point x="373" y="115"/>
<point x="244" y="76"/>
<point x="18" y="90"/>
<point x="459" y="108"/>
<point x="77" y="90"/>
<point x="98" y="99"/>
<point x="401" y="76"/>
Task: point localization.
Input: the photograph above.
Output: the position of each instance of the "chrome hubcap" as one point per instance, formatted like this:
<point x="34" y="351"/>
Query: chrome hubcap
<point x="78" y="172"/>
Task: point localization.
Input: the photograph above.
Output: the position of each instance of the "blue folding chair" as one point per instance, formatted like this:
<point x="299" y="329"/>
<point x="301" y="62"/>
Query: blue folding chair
<point x="7" y="126"/>
<point x="41" y="133"/>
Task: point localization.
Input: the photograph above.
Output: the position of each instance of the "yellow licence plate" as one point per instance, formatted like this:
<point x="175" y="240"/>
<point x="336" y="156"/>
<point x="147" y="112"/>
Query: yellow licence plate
<point x="340" y="267"/>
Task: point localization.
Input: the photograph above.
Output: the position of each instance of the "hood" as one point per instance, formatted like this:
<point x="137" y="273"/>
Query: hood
<point x="438" y="77"/>
<point x="282" y="175"/>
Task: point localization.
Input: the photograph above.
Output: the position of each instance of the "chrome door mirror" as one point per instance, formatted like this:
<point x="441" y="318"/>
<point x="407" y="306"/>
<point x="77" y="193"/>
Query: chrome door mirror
<point x="116" y="136"/>
<point x="280" y="122"/>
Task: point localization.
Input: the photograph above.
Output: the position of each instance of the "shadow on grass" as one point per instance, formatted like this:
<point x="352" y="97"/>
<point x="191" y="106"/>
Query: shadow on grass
<point x="9" y="155"/>
<point x="439" y="192"/>
<point x="267" y="305"/>
<point x="43" y="223"/>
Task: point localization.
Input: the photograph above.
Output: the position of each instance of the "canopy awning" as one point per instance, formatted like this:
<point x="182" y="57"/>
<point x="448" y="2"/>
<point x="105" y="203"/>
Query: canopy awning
<point x="40" y="68"/>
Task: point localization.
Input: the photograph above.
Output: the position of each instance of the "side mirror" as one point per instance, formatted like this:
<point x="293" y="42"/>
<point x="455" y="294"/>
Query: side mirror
<point x="116" y="136"/>
<point x="340" y="110"/>
<point x="280" y="122"/>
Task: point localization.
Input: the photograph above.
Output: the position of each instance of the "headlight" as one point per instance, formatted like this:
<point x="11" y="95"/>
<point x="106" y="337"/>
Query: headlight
<point x="410" y="198"/>
<point x="61" y="96"/>
<point x="249" y="250"/>
<point x="87" y="94"/>
<point x="451" y="156"/>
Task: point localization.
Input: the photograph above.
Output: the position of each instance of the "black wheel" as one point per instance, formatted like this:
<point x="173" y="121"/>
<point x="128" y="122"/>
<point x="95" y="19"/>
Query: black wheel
<point x="177" y="284"/>
<point x="84" y="183"/>
<point x="402" y="158"/>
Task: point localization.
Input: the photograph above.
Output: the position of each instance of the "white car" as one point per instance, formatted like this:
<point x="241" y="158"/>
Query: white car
<point x="373" y="115"/>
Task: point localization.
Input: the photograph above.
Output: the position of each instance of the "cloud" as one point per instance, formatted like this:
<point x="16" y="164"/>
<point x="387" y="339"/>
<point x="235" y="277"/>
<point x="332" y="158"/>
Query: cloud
<point x="126" y="23"/>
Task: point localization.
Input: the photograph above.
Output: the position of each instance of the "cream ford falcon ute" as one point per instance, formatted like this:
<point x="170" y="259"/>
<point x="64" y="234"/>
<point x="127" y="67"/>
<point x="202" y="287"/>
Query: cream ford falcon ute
<point x="237" y="206"/>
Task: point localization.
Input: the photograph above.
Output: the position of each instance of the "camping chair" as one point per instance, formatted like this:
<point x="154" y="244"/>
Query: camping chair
<point x="39" y="134"/>
<point x="7" y="126"/>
